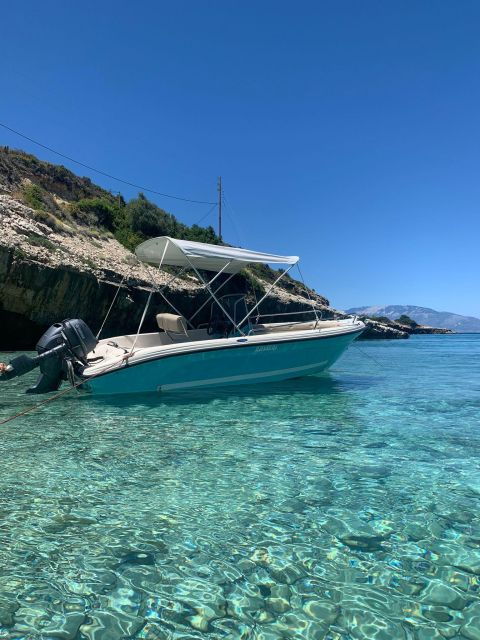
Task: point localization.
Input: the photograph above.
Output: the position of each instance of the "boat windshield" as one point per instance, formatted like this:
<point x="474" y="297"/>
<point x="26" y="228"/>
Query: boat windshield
<point x="235" y="305"/>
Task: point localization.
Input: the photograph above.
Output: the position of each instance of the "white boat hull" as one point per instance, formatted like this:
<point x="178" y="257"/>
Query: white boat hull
<point x="214" y="363"/>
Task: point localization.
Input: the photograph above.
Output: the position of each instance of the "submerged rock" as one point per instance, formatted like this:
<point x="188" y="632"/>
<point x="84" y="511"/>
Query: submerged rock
<point x="437" y="592"/>
<point x="416" y="531"/>
<point x="280" y="567"/>
<point x="286" y="572"/>
<point x="357" y="534"/>
<point x="30" y="618"/>
<point x="227" y="628"/>
<point x="462" y="558"/>
<point x="122" y="599"/>
<point x="65" y="627"/>
<point x="108" y="625"/>
<point x="376" y="471"/>
<point x="138" y="557"/>
<point x="321" y="610"/>
<point x="428" y="633"/>
<point x="201" y="596"/>
<point x="244" y="601"/>
<point x="438" y="613"/>
<point x="268" y="634"/>
<point x="7" y="610"/>
<point x="293" y="505"/>
<point x="471" y="626"/>
<point x="153" y="631"/>
<point x="366" y="625"/>
<point x="296" y="624"/>
<point x="469" y="561"/>
<point x="279" y="598"/>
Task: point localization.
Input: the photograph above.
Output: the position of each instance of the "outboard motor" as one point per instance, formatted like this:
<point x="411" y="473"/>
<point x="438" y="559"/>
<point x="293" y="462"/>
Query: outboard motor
<point x="62" y="348"/>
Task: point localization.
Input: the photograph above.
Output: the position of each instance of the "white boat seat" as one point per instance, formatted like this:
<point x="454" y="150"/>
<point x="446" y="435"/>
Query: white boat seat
<point x="171" y="322"/>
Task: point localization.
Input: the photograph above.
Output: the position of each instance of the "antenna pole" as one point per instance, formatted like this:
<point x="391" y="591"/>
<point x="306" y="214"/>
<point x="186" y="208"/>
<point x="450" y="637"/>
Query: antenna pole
<point x="219" y="187"/>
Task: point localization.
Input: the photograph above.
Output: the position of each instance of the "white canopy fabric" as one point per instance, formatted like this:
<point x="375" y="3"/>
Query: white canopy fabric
<point x="210" y="257"/>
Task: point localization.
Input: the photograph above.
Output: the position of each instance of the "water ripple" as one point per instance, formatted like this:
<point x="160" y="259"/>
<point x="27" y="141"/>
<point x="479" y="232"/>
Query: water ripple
<point x="342" y="507"/>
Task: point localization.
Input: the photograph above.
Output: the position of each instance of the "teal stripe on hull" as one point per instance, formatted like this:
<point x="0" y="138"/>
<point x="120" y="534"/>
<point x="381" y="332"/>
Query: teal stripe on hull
<point x="244" y="364"/>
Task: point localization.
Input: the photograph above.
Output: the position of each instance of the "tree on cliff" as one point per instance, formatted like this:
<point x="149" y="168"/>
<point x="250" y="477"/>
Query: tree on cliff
<point x="96" y="211"/>
<point x="148" y="219"/>
<point x="404" y="319"/>
<point x="141" y="219"/>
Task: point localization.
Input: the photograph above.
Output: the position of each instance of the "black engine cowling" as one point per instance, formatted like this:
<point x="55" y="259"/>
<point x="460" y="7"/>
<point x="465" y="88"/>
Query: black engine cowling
<point x="65" y="344"/>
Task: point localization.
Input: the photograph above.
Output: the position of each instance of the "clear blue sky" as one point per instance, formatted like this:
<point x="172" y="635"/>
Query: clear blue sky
<point x="346" y="132"/>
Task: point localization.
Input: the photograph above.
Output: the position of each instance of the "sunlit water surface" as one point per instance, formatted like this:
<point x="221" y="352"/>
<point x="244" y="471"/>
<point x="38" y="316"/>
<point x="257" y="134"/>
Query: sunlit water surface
<point x="344" y="506"/>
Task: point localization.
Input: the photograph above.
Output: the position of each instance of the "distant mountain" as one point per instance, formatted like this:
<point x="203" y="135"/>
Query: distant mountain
<point x="423" y="315"/>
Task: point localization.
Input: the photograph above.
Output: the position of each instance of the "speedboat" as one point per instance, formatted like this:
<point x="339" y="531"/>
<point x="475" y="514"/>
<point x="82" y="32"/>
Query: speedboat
<point x="236" y="346"/>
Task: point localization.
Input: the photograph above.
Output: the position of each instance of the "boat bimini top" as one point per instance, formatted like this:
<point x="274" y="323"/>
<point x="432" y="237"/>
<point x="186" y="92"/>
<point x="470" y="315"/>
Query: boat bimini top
<point x="199" y="255"/>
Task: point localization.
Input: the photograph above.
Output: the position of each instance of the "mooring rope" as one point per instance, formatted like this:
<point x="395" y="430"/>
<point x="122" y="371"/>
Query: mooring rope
<point x="367" y="355"/>
<point x="40" y="404"/>
<point x="111" y="306"/>
<point x="62" y="393"/>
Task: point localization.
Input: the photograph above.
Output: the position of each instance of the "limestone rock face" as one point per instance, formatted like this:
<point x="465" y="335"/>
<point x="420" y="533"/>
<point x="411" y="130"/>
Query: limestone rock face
<point x="395" y="330"/>
<point x="388" y="328"/>
<point x="52" y="267"/>
<point x="377" y="330"/>
<point x="48" y="275"/>
<point x="424" y="316"/>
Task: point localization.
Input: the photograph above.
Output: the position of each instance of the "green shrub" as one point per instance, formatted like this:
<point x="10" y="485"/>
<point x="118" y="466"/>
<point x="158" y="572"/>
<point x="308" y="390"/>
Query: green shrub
<point x="136" y="221"/>
<point x="200" y="234"/>
<point x="251" y="281"/>
<point x="148" y="219"/>
<point x="382" y="319"/>
<point x="33" y="195"/>
<point x="50" y="220"/>
<point x="130" y="239"/>
<point x="42" y="202"/>
<point x="96" y="211"/>
<point x="41" y="241"/>
<point x="19" y="253"/>
<point x="404" y="319"/>
<point x="89" y="262"/>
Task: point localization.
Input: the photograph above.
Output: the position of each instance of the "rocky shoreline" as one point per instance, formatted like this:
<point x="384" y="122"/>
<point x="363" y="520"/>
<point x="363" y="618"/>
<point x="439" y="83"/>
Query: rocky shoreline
<point x="55" y="266"/>
<point x="395" y="330"/>
<point x="49" y="275"/>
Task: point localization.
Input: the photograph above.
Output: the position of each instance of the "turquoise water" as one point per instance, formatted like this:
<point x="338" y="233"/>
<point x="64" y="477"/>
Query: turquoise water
<point x="344" y="506"/>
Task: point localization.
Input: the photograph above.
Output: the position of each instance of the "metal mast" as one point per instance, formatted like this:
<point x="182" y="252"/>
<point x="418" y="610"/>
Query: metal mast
<point x="219" y="187"/>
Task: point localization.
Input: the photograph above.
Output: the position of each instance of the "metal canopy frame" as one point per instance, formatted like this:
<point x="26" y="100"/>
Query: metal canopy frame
<point x="207" y="284"/>
<point x="213" y="293"/>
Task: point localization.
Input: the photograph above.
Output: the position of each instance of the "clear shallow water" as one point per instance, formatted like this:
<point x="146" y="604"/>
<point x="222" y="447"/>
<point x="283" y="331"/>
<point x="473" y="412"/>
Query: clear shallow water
<point x="339" y="507"/>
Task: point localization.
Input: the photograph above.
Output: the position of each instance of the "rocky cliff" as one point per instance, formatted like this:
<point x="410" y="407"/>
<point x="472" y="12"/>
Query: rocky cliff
<point x="424" y="316"/>
<point x="47" y="275"/>
<point x="394" y="330"/>
<point x="385" y="328"/>
<point x="65" y="249"/>
<point x="379" y="331"/>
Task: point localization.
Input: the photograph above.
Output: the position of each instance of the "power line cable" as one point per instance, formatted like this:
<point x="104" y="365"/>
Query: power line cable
<point x="207" y="214"/>
<point x="103" y="173"/>
<point x="232" y="217"/>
